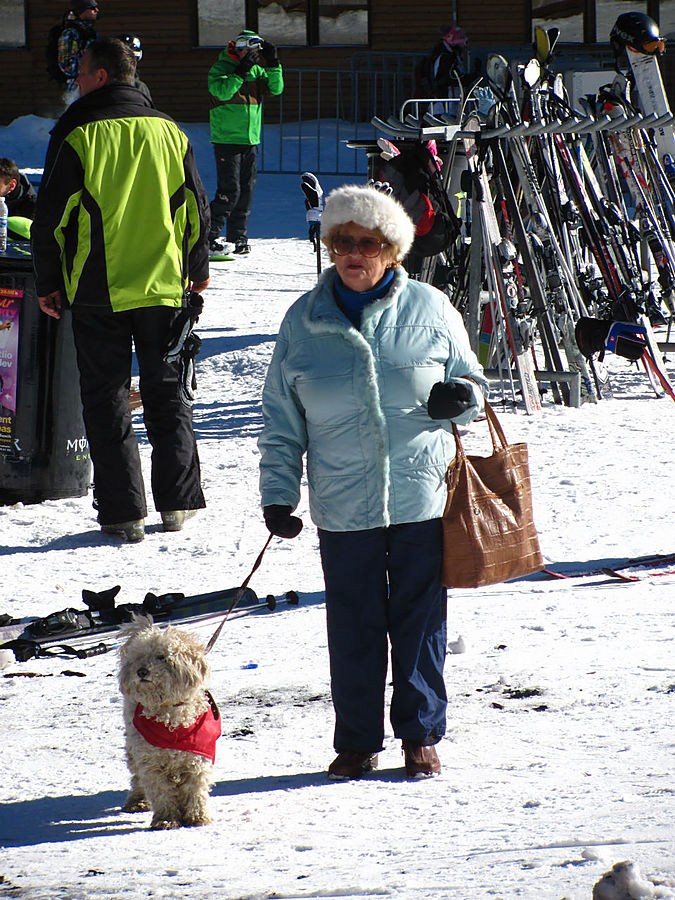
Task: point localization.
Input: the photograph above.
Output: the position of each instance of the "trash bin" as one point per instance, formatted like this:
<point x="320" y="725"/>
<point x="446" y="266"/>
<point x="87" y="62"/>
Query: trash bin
<point x="44" y="453"/>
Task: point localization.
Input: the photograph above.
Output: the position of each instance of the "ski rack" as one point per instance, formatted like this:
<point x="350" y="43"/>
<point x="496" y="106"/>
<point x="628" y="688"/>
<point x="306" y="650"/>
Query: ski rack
<point x="425" y="119"/>
<point x="430" y="126"/>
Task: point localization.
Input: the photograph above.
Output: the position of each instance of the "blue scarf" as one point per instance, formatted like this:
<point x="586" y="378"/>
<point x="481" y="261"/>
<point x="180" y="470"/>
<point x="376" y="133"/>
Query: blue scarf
<point x="352" y="303"/>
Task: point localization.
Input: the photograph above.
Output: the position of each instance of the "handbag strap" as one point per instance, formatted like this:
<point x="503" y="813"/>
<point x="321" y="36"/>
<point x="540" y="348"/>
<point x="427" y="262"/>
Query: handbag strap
<point x="495" y="426"/>
<point x="496" y="434"/>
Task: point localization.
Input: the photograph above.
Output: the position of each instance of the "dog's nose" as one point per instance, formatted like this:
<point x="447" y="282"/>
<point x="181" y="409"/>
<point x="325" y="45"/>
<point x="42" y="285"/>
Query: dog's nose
<point x="142" y="672"/>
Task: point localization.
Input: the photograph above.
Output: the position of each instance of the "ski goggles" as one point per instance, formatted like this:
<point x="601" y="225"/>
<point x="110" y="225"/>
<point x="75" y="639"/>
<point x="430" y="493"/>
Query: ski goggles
<point x="371" y="247"/>
<point x="253" y="42"/>
<point x="652" y="47"/>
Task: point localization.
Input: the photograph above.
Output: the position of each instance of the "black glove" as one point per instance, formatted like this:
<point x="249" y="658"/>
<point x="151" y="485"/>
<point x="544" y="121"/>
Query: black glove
<point x="449" y="399"/>
<point x="246" y="63"/>
<point x="182" y="326"/>
<point x="280" y="521"/>
<point x="269" y="53"/>
<point x="313" y="192"/>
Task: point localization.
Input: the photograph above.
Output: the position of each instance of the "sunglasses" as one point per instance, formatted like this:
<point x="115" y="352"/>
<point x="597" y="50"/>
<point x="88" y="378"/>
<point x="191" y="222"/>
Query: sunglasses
<point x="367" y="246"/>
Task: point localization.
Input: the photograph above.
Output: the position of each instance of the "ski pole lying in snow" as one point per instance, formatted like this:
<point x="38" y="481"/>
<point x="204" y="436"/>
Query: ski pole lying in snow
<point x="240" y="593"/>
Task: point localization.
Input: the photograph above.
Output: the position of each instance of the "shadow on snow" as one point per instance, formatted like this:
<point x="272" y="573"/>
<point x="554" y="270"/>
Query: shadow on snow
<point x="53" y="820"/>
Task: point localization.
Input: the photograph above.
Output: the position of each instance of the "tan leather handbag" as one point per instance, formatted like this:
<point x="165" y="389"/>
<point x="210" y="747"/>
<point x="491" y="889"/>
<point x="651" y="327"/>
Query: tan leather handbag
<point x="488" y="525"/>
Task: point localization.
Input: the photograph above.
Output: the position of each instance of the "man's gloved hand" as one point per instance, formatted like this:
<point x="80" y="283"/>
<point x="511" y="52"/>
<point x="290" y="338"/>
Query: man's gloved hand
<point x="449" y="399"/>
<point x="280" y="521"/>
<point x="269" y="53"/>
<point x="246" y="63"/>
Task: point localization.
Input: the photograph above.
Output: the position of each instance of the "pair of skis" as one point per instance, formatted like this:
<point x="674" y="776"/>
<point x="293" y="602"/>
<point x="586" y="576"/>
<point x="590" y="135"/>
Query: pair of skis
<point x="96" y="630"/>
<point x="620" y="570"/>
<point x="499" y="257"/>
<point x="554" y="298"/>
<point x="570" y="184"/>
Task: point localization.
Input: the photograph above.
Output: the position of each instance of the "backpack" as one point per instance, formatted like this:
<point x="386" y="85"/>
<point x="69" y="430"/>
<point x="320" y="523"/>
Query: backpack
<point x="436" y="72"/>
<point x="52" y="54"/>
<point x="416" y="183"/>
<point x="86" y="35"/>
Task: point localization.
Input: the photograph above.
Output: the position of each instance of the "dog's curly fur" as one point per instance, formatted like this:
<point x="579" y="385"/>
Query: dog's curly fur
<point x="165" y="670"/>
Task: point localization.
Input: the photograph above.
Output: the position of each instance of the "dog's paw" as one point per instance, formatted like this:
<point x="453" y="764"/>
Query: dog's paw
<point x="136" y="802"/>
<point x="159" y="823"/>
<point x="140" y="806"/>
<point x="191" y="821"/>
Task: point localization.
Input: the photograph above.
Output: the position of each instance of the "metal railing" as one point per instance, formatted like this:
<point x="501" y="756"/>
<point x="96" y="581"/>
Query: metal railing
<point x="306" y="128"/>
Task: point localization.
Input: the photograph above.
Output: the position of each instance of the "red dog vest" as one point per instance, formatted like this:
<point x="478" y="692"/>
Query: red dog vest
<point x="200" y="737"/>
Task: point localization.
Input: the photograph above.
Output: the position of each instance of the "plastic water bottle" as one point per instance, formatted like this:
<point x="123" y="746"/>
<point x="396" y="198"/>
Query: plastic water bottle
<point x="4" y="213"/>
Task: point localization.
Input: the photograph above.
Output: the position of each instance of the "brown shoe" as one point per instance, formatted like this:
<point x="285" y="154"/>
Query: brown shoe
<point x="351" y="764"/>
<point x="420" y="761"/>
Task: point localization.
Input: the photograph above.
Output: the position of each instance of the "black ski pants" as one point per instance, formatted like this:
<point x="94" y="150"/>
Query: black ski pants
<point x="103" y="341"/>
<point x="383" y="586"/>
<point x="236" y="169"/>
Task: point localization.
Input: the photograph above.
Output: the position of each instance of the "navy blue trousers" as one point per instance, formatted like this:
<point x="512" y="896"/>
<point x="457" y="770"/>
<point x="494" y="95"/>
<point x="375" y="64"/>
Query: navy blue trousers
<point x="383" y="587"/>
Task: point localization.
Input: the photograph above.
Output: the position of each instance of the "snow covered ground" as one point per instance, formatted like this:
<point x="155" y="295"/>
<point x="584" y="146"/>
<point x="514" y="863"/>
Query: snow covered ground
<point x="560" y="754"/>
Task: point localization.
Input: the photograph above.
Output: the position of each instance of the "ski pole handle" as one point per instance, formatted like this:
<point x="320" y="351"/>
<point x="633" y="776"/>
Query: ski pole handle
<point x="88" y="652"/>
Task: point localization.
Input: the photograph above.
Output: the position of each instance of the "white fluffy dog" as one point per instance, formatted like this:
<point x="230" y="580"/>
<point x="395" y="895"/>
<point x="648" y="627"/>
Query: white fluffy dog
<point x="171" y="723"/>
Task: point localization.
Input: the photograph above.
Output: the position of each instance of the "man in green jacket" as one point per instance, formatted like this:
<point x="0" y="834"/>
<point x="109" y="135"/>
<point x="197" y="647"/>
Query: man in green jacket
<point x="237" y="83"/>
<point x="119" y="242"/>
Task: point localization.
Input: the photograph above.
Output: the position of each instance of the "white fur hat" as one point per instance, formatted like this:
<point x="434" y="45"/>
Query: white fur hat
<point x="366" y="206"/>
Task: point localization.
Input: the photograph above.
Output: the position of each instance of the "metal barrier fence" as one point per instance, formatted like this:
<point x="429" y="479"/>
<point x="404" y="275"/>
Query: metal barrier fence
<point x="306" y="127"/>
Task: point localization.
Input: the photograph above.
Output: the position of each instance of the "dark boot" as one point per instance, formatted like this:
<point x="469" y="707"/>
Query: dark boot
<point x="351" y="764"/>
<point x="420" y="761"/>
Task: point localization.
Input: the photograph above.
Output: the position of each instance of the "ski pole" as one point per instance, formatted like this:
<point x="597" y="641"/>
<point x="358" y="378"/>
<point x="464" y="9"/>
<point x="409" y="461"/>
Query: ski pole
<point x="314" y="205"/>
<point x="315" y="238"/>
<point x="240" y="593"/>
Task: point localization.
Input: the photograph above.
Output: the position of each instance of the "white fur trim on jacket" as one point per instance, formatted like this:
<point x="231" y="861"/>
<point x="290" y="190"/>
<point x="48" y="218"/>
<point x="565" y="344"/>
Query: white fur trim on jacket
<point x="370" y="208"/>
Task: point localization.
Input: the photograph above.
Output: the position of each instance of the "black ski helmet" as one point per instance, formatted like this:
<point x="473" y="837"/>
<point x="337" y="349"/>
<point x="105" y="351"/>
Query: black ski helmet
<point x="134" y="42"/>
<point x="638" y="31"/>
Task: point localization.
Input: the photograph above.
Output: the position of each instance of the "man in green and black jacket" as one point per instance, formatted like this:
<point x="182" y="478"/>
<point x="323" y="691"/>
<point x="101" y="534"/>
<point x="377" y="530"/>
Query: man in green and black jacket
<point x="237" y="84"/>
<point x="120" y="236"/>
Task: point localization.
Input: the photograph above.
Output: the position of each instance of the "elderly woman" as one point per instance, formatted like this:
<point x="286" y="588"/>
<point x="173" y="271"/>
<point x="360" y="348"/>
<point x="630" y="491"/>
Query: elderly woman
<point x="369" y="371"/>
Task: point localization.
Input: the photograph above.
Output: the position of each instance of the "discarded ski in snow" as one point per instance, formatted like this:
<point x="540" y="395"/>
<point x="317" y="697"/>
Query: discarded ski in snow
<point x="637" y="562"/>
<point x="90" y="632"/>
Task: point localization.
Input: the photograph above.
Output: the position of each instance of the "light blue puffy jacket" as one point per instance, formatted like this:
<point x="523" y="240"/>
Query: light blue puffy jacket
<point x="355" y="402"/>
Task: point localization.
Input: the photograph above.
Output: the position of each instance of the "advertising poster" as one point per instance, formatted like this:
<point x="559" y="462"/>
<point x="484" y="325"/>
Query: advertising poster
<point x="10" y="301"/>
